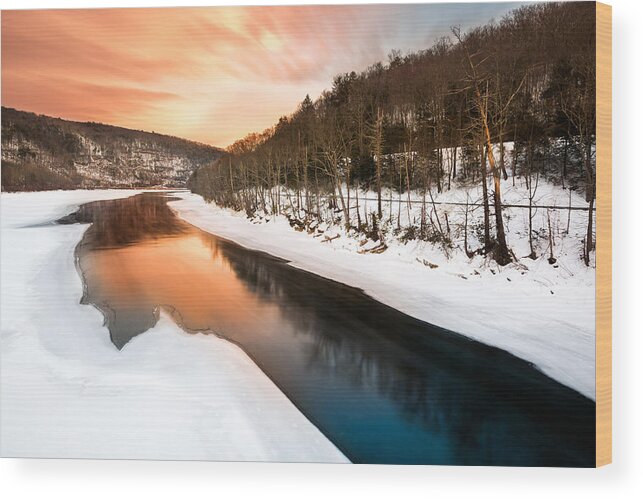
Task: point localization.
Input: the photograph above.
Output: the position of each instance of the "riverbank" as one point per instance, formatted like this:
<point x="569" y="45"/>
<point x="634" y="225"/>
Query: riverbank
<point x="66" y="391"/>
<point x="538" y="312"/>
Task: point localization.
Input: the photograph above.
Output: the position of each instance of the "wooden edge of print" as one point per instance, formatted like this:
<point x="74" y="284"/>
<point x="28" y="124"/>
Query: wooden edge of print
<point x="603" y="234"/>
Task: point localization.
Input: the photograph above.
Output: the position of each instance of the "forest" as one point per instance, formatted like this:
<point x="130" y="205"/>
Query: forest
<point x="512" y="101"/>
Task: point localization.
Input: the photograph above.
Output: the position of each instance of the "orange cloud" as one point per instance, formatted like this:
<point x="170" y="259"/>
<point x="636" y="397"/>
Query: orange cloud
<point x="208" y="74"/>
<point x="62" y="97"/>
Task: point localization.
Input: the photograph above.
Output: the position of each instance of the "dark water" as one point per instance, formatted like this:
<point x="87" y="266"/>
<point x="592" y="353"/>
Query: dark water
<point x="384" y="387"/>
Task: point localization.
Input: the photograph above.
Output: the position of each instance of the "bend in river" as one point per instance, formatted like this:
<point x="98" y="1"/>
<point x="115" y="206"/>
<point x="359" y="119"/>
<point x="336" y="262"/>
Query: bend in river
<point x="383" y="386"/>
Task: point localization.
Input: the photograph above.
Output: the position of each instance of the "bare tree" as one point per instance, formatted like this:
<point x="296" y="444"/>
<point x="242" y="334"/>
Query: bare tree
<point x="481" y="96"/>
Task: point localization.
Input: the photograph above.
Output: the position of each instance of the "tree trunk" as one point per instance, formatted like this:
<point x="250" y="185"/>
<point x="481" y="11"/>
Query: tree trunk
<point x="378" y="156"/>
<point x="590" y="196"/>
<point x="485" y="199"/>
<point x="502" y="157"/>
<point x="502" y="253"/>
<point x="514" y="158"/>
<point x="589" y="239"/>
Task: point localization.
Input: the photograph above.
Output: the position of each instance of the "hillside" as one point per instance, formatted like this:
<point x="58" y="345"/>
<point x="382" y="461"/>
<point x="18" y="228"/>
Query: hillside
<point x="40" y="152"/>
<point x="507" y="104"/>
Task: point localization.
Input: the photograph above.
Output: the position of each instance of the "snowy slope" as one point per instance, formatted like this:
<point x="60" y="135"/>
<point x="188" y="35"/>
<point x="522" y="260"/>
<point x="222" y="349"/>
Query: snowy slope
<point x="538" y="312"/>
<point x="66" y="391"/>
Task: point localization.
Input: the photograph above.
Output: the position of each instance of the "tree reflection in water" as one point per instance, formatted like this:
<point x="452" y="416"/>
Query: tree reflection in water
<point x="383" y="386"/>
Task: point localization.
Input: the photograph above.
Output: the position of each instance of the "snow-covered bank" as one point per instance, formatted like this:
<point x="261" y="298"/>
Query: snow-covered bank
<point x="66" y="391"/>
<point x="539" y="312"/>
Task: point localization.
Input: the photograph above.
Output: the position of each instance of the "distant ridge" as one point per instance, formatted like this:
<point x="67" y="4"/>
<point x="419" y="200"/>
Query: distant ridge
<point x="41" y="152"/>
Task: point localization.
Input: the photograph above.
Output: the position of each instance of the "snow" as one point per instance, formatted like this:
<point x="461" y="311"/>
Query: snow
<point x="66" y="391"/>
<point x="539" y="312"/>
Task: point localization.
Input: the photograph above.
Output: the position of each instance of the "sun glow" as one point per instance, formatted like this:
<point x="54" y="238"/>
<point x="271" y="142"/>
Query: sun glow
<point x="207" y="74"/>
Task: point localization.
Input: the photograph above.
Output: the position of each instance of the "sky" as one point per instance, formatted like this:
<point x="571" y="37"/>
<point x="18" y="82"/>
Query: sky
<point x="211" y="75"/>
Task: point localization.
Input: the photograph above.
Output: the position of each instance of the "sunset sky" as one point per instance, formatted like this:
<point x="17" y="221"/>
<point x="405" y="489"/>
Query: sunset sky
<point x="206" y="74"/>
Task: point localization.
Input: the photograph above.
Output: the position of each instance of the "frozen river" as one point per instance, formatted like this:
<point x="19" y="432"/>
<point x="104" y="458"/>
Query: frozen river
<point x="382" y="386"/>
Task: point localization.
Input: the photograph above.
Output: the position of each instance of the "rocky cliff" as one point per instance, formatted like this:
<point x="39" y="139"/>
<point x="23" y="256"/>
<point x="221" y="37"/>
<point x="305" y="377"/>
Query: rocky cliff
<point x="40" y="152"/>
